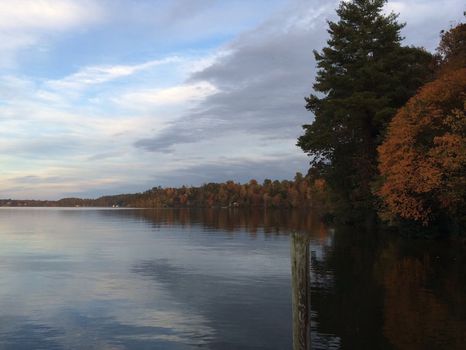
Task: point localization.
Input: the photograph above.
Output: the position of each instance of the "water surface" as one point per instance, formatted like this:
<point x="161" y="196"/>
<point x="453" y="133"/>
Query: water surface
<point x="218" y="279"/>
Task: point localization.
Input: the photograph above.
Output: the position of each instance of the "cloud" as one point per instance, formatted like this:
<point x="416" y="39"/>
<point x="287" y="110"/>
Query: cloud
<point x="240" y="169"/>
<point x="171" y="136"/>
<point x="426" y="18"/>
<point x="261" y="79"/>
<point x="263" y="75"/>
<point x="33" y="179"/>
<point x="178" y="132"/>
<point x="46" y="14"/>
<point x="173" y="95"/>
<point x="48" y="147"/>
<point x="24" y="23"/>
<point x="64" y="184"/>
<point x="101" y="74"/>
<point x="187" y="21"/>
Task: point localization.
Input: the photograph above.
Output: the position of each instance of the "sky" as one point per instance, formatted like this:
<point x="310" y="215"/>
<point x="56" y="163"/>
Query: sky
<point x="102" y="97"/>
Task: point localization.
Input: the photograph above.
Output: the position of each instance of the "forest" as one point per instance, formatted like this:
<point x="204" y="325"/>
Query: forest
<point x="302" y="192"/>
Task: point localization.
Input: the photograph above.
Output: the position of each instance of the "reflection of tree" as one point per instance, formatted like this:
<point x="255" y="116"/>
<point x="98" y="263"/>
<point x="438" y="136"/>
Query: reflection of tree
<point x="390" y="292"/>
<point x="267" y="221"/>
<point x="350" y="305"/>
<point x="424" y="302"/>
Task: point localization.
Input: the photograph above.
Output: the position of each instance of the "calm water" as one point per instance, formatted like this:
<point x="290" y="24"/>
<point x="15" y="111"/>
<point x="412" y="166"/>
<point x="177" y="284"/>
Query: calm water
<point x="218" y="279"/>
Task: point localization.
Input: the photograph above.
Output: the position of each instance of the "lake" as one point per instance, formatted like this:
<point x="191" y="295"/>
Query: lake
<point x="219" y="279"/>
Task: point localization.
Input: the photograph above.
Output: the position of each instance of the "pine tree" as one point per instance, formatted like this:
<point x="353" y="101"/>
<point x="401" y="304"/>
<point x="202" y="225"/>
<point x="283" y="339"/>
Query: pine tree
<point x="364" y="75"/>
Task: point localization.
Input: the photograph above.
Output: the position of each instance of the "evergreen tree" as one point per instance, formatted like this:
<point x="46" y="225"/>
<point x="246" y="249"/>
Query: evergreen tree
<point x="364" y="75"/>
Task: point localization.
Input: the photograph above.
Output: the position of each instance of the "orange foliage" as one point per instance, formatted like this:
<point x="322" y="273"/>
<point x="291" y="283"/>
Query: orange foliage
<point x="452" y="48"/>
<point x="423" y="158"/>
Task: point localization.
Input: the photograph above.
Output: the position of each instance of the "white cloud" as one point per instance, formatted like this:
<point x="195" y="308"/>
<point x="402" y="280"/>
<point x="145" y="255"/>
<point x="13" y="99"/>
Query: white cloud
<point x="25" y="23"/>
<point x="426" y="18"/>
<point x="172" y="95"/>
<point x="46" y="14"/>
<point x="101" y="74"/>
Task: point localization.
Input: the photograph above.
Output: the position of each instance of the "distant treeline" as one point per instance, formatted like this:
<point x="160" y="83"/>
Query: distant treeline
<point x="302" y="192"/>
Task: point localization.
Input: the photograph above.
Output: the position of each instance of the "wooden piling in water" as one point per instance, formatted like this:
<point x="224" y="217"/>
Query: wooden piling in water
<point x="300" y="269"/>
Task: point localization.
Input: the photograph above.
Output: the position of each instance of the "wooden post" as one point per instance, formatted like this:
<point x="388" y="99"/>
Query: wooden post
<point x="300" y="290"/>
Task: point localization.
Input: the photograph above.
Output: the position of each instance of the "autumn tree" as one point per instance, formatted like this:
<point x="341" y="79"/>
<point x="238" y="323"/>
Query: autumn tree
<point x="364" y="75"/>
<point x="423" y="159"/>
<point x="452" y="48"/>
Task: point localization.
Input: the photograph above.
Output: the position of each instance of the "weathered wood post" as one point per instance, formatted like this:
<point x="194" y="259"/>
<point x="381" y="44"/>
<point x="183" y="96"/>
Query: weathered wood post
<point x="300" y="290"/>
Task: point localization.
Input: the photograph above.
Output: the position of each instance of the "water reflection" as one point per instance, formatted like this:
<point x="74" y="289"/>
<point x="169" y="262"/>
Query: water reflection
<point x="424" y="299"/>
<point x="253" y="221"/>
<point x="221" y="279"/>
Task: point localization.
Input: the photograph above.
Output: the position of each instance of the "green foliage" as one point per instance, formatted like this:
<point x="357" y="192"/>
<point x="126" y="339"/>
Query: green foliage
<point x="364" y="75"/>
